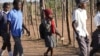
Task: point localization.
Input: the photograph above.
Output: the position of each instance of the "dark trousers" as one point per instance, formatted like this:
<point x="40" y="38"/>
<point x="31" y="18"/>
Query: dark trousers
<point x="6" y="42"/>
<point x="18" y="49"/>
<point x="83" y="43"/>
<point x="94" y="50"/>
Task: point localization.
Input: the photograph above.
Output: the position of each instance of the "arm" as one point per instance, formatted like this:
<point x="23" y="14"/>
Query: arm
<point x="8" y="22"/>
<point x="8" y="27"/>
<point x="75" y="21"/>
<point x="53" y="28"/>
<point x="74" y="25"/>
<point x="56" y="31"/>
<point x="24" y="27"/>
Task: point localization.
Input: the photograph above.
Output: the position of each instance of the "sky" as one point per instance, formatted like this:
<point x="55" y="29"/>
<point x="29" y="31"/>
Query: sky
<point x="2" y="1"/>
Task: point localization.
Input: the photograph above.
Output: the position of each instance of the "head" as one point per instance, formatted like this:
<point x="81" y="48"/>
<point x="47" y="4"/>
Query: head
<point x="6" y="7"/>
<point x="82" y="4"/>
<point x="17" y="4"/>
<point x="48" y="13"/>
<point x="98" y="6"/>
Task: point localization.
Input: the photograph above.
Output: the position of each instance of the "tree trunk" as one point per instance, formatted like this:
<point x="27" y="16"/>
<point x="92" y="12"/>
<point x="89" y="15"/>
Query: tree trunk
<point x="91" y="13"/>
<point x="41" y="9"/>
<point x="67" y="22"/>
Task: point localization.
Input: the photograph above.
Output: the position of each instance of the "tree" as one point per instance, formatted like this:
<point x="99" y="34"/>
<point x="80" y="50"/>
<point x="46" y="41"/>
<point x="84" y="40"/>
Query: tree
<point x="91" y="13"/>
<point x="67" y="21"/>
<point x="41" y="9"/>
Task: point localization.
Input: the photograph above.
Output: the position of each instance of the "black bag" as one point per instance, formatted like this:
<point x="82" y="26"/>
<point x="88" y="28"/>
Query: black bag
<point x="42" y="31"/>
<point x="95" y="38"/>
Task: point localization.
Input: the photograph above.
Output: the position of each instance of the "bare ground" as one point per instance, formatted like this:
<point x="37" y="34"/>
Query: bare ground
<point x="37" y="48"/>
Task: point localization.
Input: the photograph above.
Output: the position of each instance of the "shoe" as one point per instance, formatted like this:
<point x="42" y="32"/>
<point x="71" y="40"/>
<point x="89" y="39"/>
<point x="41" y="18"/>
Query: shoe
<point x="22" y="55"/>
<point x="10" y="53"/>
<point x="2" y="52"/>
<point x="45" y="54"/>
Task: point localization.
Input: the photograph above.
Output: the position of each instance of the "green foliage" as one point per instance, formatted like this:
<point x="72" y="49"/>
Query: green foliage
<point x="54" y="5"/>
<point x="50" y="3"/>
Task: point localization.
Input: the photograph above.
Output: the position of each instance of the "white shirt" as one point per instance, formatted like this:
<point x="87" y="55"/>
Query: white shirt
<point x="80" y="16"/>
<point x="5" y="12"/>
<point x="97" y="19"/>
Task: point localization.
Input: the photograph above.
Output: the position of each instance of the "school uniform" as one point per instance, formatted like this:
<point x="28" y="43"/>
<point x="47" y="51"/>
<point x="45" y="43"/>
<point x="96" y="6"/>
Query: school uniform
<point x="97" y="19"/>
<point x="80" y="16"/>
<point x="95" y="44"/>
<point x="50" y="40"/>
<point x="15" y="18"/>
<point x="3" y="32"/>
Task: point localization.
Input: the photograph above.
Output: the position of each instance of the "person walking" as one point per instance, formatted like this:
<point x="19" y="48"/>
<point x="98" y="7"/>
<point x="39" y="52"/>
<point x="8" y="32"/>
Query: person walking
<point x="4" y="30"/>
<point x="79" y="26"/>
<point x="15" y="19"/>
<point x="50" y="31"/>
<point x="95" y="44"/>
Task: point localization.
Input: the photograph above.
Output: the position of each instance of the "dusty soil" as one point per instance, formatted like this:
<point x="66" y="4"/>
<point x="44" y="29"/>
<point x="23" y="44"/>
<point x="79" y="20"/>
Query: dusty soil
<point x="37" y="48"/>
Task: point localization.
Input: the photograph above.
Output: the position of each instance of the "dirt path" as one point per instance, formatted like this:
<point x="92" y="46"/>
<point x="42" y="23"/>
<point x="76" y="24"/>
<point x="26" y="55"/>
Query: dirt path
<point x="37" y="48"/>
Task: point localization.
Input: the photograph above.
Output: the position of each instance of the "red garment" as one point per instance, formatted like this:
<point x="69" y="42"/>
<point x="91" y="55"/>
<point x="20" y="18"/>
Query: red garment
<point x="48" y="12"/>
<point x="53" y="26"/>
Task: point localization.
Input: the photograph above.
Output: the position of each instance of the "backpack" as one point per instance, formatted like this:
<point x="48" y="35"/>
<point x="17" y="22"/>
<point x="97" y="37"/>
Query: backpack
<point x="42" y="31"/>
<point x="45" y="29"/>
<point x="95" y="38"/>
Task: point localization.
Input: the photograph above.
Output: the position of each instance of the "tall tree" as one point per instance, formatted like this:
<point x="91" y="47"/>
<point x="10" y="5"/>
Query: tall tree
<point x="91" y="13"/>
<point x="67" y="21"/>
<point x="42" y="6"/>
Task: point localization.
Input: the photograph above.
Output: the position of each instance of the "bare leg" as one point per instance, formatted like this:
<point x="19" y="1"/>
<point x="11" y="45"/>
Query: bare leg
<point x="46" y="53"/>
<point x="51" y="51"/>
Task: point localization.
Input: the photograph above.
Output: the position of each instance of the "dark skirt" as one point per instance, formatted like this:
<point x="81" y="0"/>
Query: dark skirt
<point x="50" y="41"/>
<point x="95" y="38"/>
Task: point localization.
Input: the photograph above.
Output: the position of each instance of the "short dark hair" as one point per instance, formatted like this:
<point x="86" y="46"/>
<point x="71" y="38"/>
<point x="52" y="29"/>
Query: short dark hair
<point x="15" y="2"/>
<point x="98" y="4"/>
<point x="5" y="4"/>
